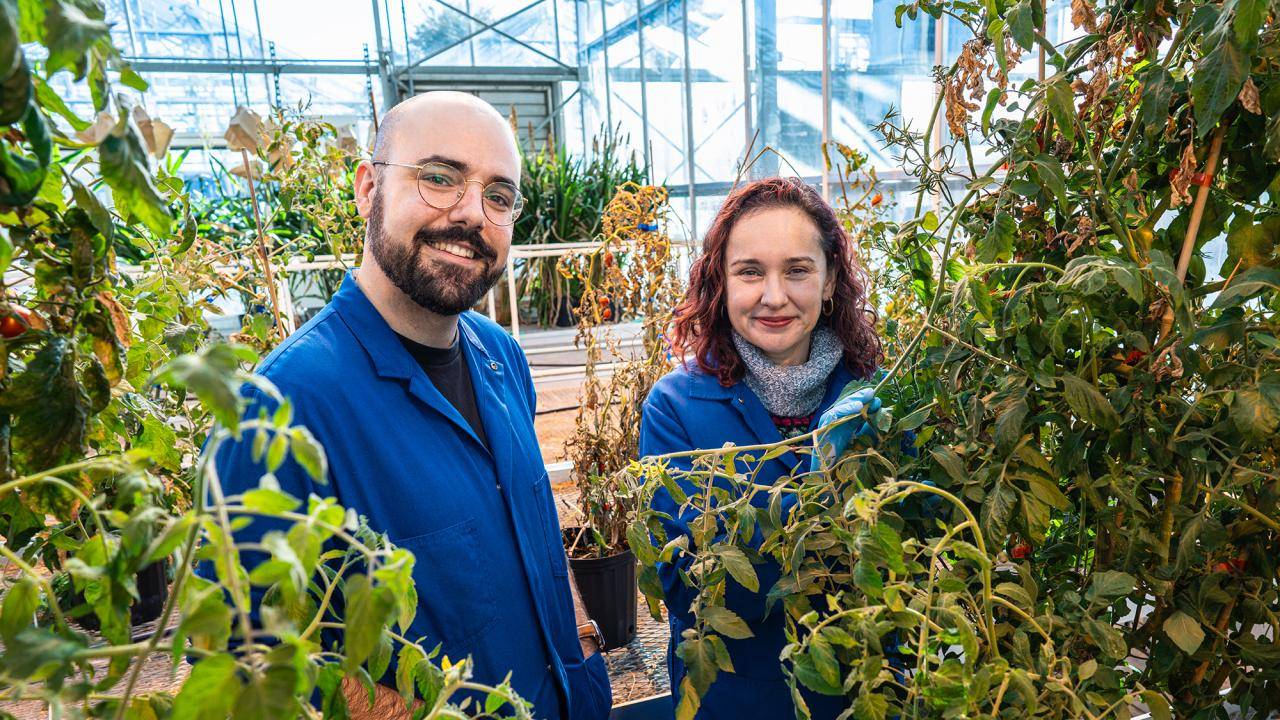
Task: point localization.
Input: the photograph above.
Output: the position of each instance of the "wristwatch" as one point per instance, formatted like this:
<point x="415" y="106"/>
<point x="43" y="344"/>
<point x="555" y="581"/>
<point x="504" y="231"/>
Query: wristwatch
<point x="590" y="629"/>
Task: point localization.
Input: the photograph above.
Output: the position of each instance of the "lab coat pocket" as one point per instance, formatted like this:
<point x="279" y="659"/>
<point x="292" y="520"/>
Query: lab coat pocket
<point x="455" y="602"/>
<point x="550" y="522"/>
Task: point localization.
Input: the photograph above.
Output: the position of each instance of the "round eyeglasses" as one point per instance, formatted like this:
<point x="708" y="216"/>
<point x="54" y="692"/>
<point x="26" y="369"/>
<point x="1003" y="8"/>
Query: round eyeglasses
<point x="442" y="186"/>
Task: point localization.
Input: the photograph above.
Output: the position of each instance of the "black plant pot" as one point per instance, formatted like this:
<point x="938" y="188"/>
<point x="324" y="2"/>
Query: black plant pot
<point x="153" y="589"/>
<point x="608" y="588"/>
<point x="563" y="316"/>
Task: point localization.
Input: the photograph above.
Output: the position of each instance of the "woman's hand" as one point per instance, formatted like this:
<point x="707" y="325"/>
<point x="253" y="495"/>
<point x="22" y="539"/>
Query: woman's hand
<point x="829" y="442"/>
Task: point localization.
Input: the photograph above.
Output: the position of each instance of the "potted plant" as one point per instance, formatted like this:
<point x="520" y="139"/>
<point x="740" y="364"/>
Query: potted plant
<point x="631" y="276"/>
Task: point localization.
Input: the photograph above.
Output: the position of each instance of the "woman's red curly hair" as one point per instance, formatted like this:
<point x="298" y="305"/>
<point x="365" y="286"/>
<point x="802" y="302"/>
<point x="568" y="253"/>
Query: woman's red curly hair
<point x="700" y="327"/>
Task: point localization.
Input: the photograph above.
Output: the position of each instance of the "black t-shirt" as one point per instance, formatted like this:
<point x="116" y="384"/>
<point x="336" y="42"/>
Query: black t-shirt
<point x="447" y="370"/>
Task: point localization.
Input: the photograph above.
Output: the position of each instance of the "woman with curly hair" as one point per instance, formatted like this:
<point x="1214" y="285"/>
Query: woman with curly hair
<point x="774" y="324"/>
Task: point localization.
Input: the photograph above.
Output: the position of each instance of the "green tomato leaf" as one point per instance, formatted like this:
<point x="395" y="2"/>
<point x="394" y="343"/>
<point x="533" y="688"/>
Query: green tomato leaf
<point x="726" y="622"/>
<point x="739" y="567"/>
<point x="125" y="169"/>
<point x="1216" y="80"/>
<point x="309" y="453"/>
<point x="210" y="691"/>
<point x="1088" y="403"/>
<point x="1185" y="631"/>
<point x="997" y="244"/>
<point x="18" y="611"/>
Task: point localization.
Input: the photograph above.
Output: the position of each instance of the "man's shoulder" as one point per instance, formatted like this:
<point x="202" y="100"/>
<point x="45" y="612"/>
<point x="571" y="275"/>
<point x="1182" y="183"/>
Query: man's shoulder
<point x="318" y="353"/>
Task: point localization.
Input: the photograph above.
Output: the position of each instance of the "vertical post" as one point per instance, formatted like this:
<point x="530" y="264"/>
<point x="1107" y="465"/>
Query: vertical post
<point x="826" y="97"/>
<point x="226" y="45"/>
<point x="767" y="118"/>
<point x="404" y="26"/>
<point x="128" y="23"/>
<point x="604" y="45"/>
<point x="644" y="95"/>
<point x="380" y="55"/>
<point x="511" y="296"/>
<point x="746" y="73"/>
<point x="582" y="104"/>
<point x="688" y="122"/>
<point x="471" y="41"/>
<point x="262" y="51"/>
<point x="939" y="59"/>
<point x="244" y="76"/>
<point x="263" y="255"/>
<point x="555" y="18"/>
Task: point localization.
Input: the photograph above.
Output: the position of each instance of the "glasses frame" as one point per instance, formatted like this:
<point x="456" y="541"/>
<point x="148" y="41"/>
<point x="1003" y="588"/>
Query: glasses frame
<point x="517" y="203"/>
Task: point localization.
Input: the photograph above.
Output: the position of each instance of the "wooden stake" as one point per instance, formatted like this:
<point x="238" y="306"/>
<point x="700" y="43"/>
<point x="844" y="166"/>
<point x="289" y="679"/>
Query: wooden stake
<point x="1197" y="214"/>
<point x="1202" y="197"/>
<point x="263" y="257"/>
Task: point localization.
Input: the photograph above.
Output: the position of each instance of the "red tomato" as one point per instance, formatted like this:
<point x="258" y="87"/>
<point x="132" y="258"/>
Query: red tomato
<point x="877" y="200"/>
<point x="1021" y="551"/>
<point x="11" y="326"/>
<point x="1133" y="357"/>
<point x="606" y="313"/>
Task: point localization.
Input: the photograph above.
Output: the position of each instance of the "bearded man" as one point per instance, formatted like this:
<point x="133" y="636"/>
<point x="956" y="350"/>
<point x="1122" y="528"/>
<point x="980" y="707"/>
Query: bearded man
<point x="425" y="410"/>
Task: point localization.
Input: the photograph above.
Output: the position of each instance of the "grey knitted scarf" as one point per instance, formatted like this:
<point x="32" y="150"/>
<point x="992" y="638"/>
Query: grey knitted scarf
<point x="792" y="390"/>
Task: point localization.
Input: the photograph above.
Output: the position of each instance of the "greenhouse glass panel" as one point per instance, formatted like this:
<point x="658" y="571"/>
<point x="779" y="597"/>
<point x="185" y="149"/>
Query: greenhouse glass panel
<point x="198" y="29"/>
<point x="629" y="93"/>
<point x="310" y="29"/>
<point x="877" y="68"/>
<point x="715" y="58"/>
<point x="454" y="32"/>
<point x="664" y="87"/>
<point x="201" y="105"/>
<point x="339" y="99"/>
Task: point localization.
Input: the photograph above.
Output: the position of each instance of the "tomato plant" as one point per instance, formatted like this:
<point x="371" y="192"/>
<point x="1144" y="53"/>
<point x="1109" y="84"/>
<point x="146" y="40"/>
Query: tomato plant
<point x="633" y="271"/>
<point x="1074" y="376"/>
<point x="109" y="388"/>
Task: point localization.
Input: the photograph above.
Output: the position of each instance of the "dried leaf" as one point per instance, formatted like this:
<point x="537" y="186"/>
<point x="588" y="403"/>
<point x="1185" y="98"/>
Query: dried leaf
<point x="1249" y="97"/>
<point x="156" y="133"/>
<point x="119" y="318"/>
<point x="245" y="130"/>
<point x="99" y="130"/>
<point x="1180" y="182"/>
<point x="1082" y="15"/>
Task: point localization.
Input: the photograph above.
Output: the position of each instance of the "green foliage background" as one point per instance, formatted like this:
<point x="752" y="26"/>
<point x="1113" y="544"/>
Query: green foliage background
<point x="1095" y="420"/>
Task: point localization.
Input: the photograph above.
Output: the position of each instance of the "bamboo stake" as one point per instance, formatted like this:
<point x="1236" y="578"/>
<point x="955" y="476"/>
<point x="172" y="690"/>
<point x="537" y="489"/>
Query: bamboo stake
<point x="1202" y="197"/>
<point x="1197" y="214"/>
<point x="263" y="257"/>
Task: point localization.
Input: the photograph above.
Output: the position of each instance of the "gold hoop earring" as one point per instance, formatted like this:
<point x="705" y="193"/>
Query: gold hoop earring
<point x="828" y="309"/>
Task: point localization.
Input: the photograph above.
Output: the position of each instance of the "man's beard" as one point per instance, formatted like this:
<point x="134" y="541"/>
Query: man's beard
<point x="441" y="287"/>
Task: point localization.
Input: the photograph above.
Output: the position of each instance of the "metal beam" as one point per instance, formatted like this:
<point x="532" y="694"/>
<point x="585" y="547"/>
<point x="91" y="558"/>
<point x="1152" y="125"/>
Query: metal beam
<point x="644" y="97"/>
<point x="628" y="25"/>
<point x="284" y="67"/>
<point x="483" y="27"/>
<point x="688" y="122"/>
<point x="505" y="75"/>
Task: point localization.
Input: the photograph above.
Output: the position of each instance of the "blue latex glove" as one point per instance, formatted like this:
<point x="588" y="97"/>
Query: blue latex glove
<point x="830" y="443"/>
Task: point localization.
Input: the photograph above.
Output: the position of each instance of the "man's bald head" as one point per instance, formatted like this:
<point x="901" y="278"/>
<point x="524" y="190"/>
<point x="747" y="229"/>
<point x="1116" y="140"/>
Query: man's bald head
<point x="436" y="108"/>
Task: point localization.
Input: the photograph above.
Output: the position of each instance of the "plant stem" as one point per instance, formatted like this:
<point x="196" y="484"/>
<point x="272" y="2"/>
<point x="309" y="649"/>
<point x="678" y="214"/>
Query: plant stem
<point x="263" y="255"/>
